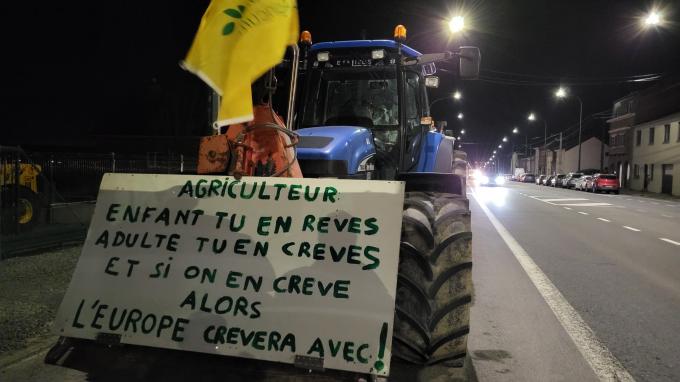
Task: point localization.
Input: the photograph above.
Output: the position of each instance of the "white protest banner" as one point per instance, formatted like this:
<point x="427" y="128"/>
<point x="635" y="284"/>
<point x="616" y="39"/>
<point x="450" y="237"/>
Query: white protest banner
<point x="264" y="268"/>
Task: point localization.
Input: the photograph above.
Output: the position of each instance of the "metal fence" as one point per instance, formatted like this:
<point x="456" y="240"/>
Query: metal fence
<point x="47" y="198"/>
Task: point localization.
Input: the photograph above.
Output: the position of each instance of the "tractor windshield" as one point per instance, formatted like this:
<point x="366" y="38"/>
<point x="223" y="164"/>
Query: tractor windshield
<point x="352" y="96"/>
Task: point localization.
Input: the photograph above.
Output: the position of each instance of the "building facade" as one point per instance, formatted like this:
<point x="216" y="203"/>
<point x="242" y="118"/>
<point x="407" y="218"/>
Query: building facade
<point x="656" y="156"/>
<point x="644" y="136"/>
<point x="621" y="139"/>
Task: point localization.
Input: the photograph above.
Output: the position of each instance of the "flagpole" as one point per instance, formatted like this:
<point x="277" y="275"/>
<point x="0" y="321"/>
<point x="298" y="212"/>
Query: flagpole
<point x="214" y="108"/>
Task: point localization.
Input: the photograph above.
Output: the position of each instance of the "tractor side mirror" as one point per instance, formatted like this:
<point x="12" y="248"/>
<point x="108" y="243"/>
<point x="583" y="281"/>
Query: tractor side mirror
<point x="448" y="133"/>
<point x="470" y="58"/>
<point x="432" y="82"/>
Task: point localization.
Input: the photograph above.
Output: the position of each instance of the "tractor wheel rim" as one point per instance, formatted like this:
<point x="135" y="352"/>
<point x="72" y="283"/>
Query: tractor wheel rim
<point x="27" y="211"/>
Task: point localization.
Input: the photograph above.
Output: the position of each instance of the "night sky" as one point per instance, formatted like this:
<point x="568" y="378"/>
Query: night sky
<point x="75" y="71"/>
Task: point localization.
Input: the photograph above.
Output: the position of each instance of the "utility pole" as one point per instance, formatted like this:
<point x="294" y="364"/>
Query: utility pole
<point x="580" y="121"/>
<point x="559" y="157"/>
<point x="526" y="145"/>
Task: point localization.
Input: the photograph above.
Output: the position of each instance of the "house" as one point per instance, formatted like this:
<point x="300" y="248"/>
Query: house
<point x="644" y="135"/>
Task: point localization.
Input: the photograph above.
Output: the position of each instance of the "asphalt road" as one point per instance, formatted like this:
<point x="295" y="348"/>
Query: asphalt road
<point x="567" y="285"/>
<point x="614" y="258"/>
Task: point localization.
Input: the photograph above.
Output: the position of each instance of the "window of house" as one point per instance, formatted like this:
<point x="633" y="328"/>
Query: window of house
<point x="638" y="138"/>
<point x="651" y="171"/>
<point x="636" y="171"/>
<point x="651" y="135"/>
<point x="612" y="140"/>
<point x="667" y="133"/>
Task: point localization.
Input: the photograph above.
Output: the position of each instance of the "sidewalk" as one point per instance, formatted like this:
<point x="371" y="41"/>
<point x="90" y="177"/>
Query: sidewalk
<point x="651" y="195"/>
<point x="31" y="289"/>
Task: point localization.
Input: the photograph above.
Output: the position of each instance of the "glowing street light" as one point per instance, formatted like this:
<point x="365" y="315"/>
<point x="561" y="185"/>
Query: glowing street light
<point x="494" y="151"/>
<point x="653" y="19"/>
<point x="515" y="131"/>
<point x="562" y="93"/>
<point x="500" y="146"/>
<point x="457" y="24"/>
<point x="460" y="115"/>
<point x="505" y="139"/>
<point x="462" y="131"/>
<point x="457" y="96"/>
<point x="531" y="117"/>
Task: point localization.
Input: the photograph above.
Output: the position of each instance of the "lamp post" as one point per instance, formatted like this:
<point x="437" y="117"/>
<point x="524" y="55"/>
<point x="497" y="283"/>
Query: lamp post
<point x="531" y="118"/>
<point x="562" y="93"/>
<point x="456" y="97"/>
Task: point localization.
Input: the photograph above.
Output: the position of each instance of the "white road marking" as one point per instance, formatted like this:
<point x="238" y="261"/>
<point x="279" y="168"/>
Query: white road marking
<point x="629" y="199"/>
<point x="567" y="208"/>
<point x="585" y="204"/>
<point x="670" y="205"/>
<point x="655" y="203"/>
<point x="604" y="220"/>
<point x="641" y="210"/>
<point x="667" y="216"/>
<point x="583" y="213"/>
<point x="631" y="228"/>
<point x="561" y="200"/>
<point x="669" y="241"/>
<point x="600" y="359"/>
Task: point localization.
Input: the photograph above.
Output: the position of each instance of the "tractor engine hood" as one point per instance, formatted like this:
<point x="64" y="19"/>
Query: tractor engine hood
<point x="335" y="151"/>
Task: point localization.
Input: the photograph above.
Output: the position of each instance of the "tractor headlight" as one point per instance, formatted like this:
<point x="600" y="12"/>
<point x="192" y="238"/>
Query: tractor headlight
<point x="322" y="56"/>
<point x="484" y="179"/>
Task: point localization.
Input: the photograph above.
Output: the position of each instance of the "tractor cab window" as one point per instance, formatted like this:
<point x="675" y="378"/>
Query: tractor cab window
<point x="412" y="118"/>
<point x="353" y="97"/>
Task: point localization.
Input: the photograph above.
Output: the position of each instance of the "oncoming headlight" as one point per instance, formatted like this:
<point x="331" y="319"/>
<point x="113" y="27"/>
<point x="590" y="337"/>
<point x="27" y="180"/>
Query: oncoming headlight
<point x="484" y="179"/>
<point x="500" y="180"/>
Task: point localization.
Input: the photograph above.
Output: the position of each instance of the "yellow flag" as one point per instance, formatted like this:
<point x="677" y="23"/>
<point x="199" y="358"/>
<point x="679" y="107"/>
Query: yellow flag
<point x="236" y="43"/>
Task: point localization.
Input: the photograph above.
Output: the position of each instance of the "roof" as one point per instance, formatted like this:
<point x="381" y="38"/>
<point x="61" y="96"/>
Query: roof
<point x="408" y="51"/>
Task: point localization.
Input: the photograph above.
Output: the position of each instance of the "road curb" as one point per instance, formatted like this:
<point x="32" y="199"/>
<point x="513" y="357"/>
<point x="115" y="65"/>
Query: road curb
<point x="35" y="346"/>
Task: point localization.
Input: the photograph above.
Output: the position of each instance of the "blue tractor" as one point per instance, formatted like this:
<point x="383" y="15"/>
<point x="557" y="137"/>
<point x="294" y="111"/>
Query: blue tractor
<point x="363" y="113"/>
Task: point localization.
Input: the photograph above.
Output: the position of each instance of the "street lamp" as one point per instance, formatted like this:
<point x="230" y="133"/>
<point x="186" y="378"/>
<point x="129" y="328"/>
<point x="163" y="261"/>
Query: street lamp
<point x="652" y="19"/>
<point x="500" y="146"/>
<point x="526" y="141"/>
<point x="460" y="115"/>
<point x="505" y="139"/>
<point x="456" y="96"/>
<point x="462" y="131"/>
<point x="457" y="24"/>
<point x="562" y="93"/>
<point x="532" y="117"/>
<point x="494" y="151"/>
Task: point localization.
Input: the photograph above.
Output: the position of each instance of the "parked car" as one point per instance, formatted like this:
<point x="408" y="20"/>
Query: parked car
<point x="581" y="182"/>
<point x="547" y="181"/>
<point x="557" y="180"/>
<point x="540" y="179"/>
<point x="570" y="180"/>
<point x="605" y="183"/>
<point x="528" y="178"/>
<point x="589" y="183"/>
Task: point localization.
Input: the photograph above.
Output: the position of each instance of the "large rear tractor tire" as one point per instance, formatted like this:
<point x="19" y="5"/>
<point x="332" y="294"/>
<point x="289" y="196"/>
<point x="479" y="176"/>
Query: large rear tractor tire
<point x="29" y="208"/>
<point x="434" y="287"/>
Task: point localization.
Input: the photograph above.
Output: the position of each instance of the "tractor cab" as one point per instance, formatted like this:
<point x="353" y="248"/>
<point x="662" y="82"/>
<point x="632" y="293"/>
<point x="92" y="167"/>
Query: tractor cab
<point x="363" y="111"/>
